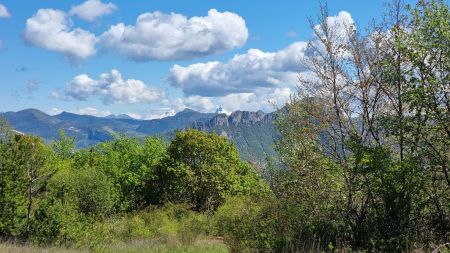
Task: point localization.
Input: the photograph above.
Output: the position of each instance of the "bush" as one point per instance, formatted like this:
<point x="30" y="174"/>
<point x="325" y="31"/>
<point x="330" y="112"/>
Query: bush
<point x="90" y="190"/>
<point x="246" y="225"/>
<point x="268" y="224"/>
<point x="172" y="222"/>
<point x="74" y="198"/>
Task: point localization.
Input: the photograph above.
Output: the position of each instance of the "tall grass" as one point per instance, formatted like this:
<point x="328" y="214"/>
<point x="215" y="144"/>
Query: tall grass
<point x="138" y="246"/>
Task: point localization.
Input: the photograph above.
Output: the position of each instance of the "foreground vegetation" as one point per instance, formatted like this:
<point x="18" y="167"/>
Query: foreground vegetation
<point x="205" y="246"/>
<point x="364" y="163"/>
<point x="119" y="191"/>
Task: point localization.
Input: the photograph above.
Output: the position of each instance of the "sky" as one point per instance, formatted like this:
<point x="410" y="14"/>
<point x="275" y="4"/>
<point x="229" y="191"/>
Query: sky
<point x="151" y="59"/>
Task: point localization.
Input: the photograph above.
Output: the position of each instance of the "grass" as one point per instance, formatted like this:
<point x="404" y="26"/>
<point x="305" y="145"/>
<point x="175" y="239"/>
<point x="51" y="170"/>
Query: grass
<point x="203" y="246"/>
<point x="15" y="248"/>
<point x="139" y="246"/>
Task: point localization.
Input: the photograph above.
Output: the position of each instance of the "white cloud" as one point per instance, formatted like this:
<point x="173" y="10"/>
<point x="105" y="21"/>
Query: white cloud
<point x="55" y="111"/>
<point x="242" y="74"/>
<point x="4" y="13"/>
<point x="256" y="69"/>
<point x="339" y="24"/>
<point x="153" y="114"/>
<point x="266" y="100"/>
<point x="340" y="28"/>
<point x="160" y="36"/>
<point x="202" y="104"/>
<point x="198" y="103"/>
<point x="52" y="29"/>
<point x="261" y="99"/>
<point x="111" y="88"/>
<point x="92" y="111"/>
<point x="92" y="9"/>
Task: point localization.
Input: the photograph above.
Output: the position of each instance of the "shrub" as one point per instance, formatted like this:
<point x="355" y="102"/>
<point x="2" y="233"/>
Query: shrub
<point x="246" y="225"/>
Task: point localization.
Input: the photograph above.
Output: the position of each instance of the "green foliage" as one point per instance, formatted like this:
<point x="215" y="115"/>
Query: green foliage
<point x="127" y="163"/>
<point x="247" y="226"/>
<point x="64" y="147"/>
<point x="90" y="190"/>
<point x="269" y="224"/>
<point x="255" y="142"/>
<point x="169" y="222"/>
<point x="22" y="176"/>
<point x="366" y="155"/>
<point x="202" y="169"/>
<point x="6" y="132"/>
<point x="98" y="196"/>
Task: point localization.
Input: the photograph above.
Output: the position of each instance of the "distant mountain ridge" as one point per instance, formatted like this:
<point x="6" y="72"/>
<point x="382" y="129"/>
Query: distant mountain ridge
<point x="252" y="132"/>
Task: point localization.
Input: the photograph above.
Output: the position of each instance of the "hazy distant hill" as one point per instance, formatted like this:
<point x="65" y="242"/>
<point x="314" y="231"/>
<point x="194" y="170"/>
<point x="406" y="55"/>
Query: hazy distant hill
<point x="252" y="132"/>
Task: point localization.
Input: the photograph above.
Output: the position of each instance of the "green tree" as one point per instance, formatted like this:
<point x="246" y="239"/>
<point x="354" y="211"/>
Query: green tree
<point x="128" y="163"/>
<point x="6" y="131"/>
<point x="427" y="51"/>
<point x="202" y="169"/>
<point x="22" y="177"/>
<point x="64" y="147"/>
<point x="371" y="126"/>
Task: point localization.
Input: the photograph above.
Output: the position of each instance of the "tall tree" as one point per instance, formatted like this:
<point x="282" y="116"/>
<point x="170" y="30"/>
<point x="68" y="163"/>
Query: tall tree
<point x="202" y="169"/>
<point x="371" y="109"/>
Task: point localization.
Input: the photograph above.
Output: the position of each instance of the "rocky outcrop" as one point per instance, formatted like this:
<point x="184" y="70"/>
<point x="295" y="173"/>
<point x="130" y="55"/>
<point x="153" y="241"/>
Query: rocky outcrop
<point x="236" y="118"/>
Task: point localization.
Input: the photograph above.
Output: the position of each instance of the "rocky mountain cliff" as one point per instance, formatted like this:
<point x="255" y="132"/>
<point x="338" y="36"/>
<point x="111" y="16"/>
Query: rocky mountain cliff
<point x="253" y="133"/>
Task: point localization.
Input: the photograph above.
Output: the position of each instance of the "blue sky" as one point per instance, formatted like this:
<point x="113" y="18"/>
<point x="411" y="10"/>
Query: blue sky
<point x="95" y="57"/>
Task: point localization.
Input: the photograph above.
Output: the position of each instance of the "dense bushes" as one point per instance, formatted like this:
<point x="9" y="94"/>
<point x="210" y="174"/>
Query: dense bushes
<point x="119" y="190"/>
<point x="269" y="224"/>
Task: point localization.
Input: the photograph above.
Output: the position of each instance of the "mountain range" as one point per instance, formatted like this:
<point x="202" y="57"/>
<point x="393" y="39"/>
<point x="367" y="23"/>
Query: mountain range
<point x="253" y="133"/>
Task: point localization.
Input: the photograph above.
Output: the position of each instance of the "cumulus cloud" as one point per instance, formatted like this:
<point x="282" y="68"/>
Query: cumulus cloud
<point x="152" y="113"/>
<point x="52" y="30"/>
<point x="92" y="9"/>
<point x="253" y="70"/>
<point x="340" y="24"/>
<point x="266" y="100"/>
<point x="92" y="111"/>
<point x="261" y="99"/>
<point x="198" y="103"/>
<point x="160" y="36"/>
<point x="4" y="13"/>
<point x="242" y="74"/>
<point x="111" y="88"/>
